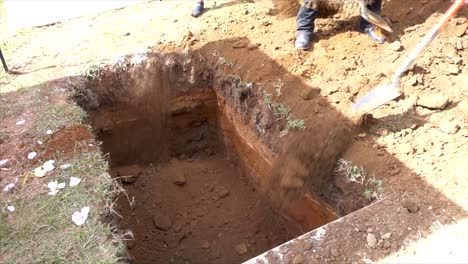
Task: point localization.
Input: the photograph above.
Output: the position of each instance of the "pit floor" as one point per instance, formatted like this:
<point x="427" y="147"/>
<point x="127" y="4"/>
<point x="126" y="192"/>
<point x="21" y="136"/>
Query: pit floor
<point x="198" y="211"/>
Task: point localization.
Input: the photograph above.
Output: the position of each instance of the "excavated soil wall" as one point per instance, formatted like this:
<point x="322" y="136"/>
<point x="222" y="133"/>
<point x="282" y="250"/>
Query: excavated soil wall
<point x="197" y="152"/>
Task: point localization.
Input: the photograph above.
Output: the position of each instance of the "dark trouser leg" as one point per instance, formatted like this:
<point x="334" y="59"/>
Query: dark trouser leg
<point x="305" y="25"/>
<point x="198" y="9"/>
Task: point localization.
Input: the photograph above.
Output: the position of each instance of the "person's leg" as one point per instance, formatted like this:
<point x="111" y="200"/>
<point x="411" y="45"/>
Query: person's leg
<point x="367" y="27"/>
<point x="305" y="24"/>
<point x="198" y="9"/>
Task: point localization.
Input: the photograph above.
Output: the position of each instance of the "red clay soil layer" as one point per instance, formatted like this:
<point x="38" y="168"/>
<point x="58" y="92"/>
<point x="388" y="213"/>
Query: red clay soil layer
<point x="66" y="141"/>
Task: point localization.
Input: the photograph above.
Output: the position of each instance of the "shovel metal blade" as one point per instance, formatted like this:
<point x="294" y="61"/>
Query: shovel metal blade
<point x="375" y="19"/>
<point x="375" y="98"/>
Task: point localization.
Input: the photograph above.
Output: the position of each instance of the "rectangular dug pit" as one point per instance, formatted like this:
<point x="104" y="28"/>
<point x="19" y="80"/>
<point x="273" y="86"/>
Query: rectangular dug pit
<point x="194" y="173"/>
<point x="188" y="200"/>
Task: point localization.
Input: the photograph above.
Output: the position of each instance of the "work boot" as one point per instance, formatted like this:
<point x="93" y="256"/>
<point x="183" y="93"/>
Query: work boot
<point x="305" y="27"/>
<point x="370" y="31"/>
<point x="368" y="28"/>
<point x="198" y="9"/>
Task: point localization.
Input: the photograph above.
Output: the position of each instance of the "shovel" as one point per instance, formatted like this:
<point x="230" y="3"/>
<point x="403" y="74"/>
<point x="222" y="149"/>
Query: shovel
<point x="372" y="17"/>
<point x="387" y="92"/>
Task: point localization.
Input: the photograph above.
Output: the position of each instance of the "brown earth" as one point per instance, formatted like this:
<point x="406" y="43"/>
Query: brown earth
<point x="66" y="141"/>
<point x="418" y="151"/>
<point x="198" y="211"/>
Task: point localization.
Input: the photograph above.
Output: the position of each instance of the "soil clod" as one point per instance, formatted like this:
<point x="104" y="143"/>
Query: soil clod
<point x="433" y="101"/>
<point x="205" y="244"/>
<point x="298" y="259"/>
<point x="162" y="222"/>
<point x="241" y="248"/>
<point x="371" y="240"/>
<point x="223" y="193"/>
<point x="450" y="127"/>
<point x="386" y="236"/>
<point x="127" y="174"/>
<point x="179" y="179"/>
<point x="411" y="206"/>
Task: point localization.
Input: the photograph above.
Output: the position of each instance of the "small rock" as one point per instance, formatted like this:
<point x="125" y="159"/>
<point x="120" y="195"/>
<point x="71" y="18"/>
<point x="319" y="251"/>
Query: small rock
<point x="452" y="69"/>
<point x="223" y="193"/>
<point x="306" y="246"/>
<point x="205" y="244"/>
<point x="240" y="44"/>
<point x="371" y="240"/>
<point x="241" y="248"/>
<point x="394" y="171"/>
<point x="309" y="93"/>
<point x="449" y="127"/>
<point x="395" y="46"/>
<point x="252" y="46"/>
<point x="406" y="148"/>
<point x="369" y="230"/>
<point x="382" y="132"/>
<point x="461" y="29"/>
<point x="179" y="179"/>
<point x="362" y="135"/>
<point x="162" y="222"/>
<point x="413" y="80"/>
<point x="387" y="244"/>
<point x="298" y="259"/>
<point x="128" y="174"/>
<point x="463" y="106"/>
<point x="463" y="132"/>
<point x="386" y="236"/>
<point x="411" y="206"/>
<point x="433" y="101"/>
<point x="127" y="34"/>
<point x="379" y="244"/>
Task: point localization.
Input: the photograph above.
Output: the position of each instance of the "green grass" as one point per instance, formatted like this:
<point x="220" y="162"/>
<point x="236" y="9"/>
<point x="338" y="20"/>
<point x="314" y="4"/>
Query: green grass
<point x="224" y="61"/>
<point x="280" y="110"/>
<point x="355" y="174"/>
<point x="57" y="116"/>
<point x="294" y="123"/>
<point x="41" y="231"/>
<point x="267" y="98"/>
<point x="278" y="87"/>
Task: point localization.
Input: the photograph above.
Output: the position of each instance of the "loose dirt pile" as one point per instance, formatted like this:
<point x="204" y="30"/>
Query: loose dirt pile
<point x="308" y="162"/>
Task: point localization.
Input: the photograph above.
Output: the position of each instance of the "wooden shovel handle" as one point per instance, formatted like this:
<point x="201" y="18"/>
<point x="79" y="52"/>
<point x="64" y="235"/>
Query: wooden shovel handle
<point x="451" y="12"/>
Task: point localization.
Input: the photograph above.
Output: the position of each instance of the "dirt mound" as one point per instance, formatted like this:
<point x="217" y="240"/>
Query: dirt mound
<point x="67" y="141"/>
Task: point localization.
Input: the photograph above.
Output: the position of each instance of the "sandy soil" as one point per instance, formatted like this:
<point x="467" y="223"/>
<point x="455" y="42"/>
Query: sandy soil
<point x="416" y="145"/>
